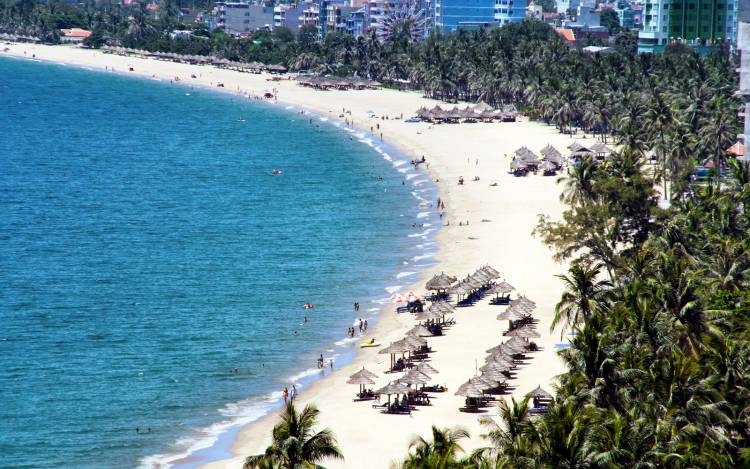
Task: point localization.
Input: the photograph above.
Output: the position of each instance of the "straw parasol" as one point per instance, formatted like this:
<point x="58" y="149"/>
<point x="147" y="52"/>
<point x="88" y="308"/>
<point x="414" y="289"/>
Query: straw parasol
<point x="425" y="368"/>
<point x="362" y="378"/>
<point x="419" y="331"/>
<point x="440" y="282"/>
<point x="414" y="342"/>
<point x="469" y="390"/>
<point x="393" y="388"/>
<point x="512" y="314"/>
<point x="442" y="307"/>
<point x="526" y="332"/>
<point x="396" y="347"/>
<point x="427" y="315"/>
<point x="364" y="373"/>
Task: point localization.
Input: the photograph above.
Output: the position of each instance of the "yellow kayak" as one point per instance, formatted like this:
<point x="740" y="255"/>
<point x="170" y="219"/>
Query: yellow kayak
<point x="370" y="343"/>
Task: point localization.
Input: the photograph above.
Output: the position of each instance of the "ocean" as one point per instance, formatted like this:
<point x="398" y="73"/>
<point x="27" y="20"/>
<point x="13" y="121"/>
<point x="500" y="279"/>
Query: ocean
<point x="146" y="251"/>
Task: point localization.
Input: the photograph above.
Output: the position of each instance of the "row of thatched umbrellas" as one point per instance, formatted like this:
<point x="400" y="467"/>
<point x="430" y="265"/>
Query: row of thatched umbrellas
<point x="502" y="359"/>
<point x="18" y="38"/>
<point x="480" y="112"/>
<point x="341" y="83"/>
<point x="197" y="59"/>
<point x="442" y="283"/>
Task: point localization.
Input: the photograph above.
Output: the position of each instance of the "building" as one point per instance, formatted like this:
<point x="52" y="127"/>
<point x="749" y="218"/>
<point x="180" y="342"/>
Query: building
<point x="743" y="44"/>
<point x="238" y="18"/>
<point x="74" y="35"/>
<point x="356" y="24"/>
<point x="563" y="6"/>
<point x="452" y="15"/>
<point x="535" y="11"/>
<point x="510" y="11"/>
<point x="697" y="23"/>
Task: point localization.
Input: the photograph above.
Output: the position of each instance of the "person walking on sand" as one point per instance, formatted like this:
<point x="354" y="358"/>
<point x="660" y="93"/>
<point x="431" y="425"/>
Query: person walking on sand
<point x="286" y="394"/>
<point x="365" y="325"/>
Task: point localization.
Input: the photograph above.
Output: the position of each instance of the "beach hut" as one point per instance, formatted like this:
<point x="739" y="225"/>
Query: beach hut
<point x="509" y="113"/>
<point x="601" y="151"/>
<point x="541" y="398"/>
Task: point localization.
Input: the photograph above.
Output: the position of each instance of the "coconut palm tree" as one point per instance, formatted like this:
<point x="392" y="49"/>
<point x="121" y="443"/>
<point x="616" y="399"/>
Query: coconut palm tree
<point x="585" y="294"/>
<point x="295" y="442"/>
<point x="440" y="453"/>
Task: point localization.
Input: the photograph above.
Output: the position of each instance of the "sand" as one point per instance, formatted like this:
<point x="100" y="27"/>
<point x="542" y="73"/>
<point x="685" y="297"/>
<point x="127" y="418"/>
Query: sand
<point x="501" y="219"/>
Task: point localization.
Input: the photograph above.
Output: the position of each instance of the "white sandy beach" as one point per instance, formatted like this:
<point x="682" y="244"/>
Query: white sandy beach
<point x="501" y="219"/>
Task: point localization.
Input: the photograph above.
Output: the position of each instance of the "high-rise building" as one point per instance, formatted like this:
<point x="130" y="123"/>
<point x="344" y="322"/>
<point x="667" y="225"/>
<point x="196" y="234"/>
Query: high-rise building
<point x="240" y="18"/>
<point x="510" y="11"/>
<point x="743" y="44"/>
<point x="697" y="23"/>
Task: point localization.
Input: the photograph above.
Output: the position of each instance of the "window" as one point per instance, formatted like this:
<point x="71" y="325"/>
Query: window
<point x="664" y="29"/>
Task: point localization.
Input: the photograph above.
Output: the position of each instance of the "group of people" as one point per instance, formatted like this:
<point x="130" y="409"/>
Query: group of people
<point x="287" y="395"/>
<point x="321" y="362"/>
<point x="362" y="328"/>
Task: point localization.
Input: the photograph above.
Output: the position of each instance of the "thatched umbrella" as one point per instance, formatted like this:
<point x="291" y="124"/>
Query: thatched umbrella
<point x="419" y="331"/>
<point x="496" y="367"/>
<point x="469" y="389"/>
<point x="428" y="315"/>
<point x="398" y="347"/>
<point x="552" y="155"/>
<point x="415" y="342"/>
<point x="360" y="379"/>
<point x="483" y="382"/>
<point x="525" y="332"/>
<point x="392" y="388"/>
<point x="366" y="373"/>
<point x="497" y="378"/>
<point x="522" y="300"/>
<point x="512" y="314"/>
<point x="481" y="106"/>
<point x="440" y="282"/>
<point x="517" y="165"/>
<point x="526" y="155"/>
<point x="415" y="377"/>
<point x="425" y="368"/>
<point x="442" y="307"/>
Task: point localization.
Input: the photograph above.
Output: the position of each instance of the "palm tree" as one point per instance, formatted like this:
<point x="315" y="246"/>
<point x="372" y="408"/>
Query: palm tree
<point x="295" y="443"/>
<point x="440" y="453"/>
<point x="584" y="296"/>
<point x="579" y="185"/>
<point x="719" y="133"/>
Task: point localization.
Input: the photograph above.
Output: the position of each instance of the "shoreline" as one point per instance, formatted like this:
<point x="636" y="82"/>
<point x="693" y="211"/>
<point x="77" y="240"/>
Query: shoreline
<point x="503" y="242"/>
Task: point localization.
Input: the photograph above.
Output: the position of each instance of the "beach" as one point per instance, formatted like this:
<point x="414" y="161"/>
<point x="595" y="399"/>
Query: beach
<point x="489" y="224"/>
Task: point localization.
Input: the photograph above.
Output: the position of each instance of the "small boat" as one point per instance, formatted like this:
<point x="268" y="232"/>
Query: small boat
<point x="309" y="306"/>
<point x="370" y="343"/>
<point x="277" y="171"/>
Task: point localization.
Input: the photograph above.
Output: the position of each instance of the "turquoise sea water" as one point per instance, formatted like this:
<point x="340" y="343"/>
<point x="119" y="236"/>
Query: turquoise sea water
<point x="145" y="250"/>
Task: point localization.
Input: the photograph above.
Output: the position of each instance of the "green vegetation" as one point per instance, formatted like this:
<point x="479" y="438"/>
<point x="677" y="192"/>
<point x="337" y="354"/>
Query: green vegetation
<point x="295" y="443"/>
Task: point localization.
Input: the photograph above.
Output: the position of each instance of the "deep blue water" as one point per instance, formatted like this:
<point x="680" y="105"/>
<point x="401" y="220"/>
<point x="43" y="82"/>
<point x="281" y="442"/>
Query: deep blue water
<point x="145" y="250"/>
